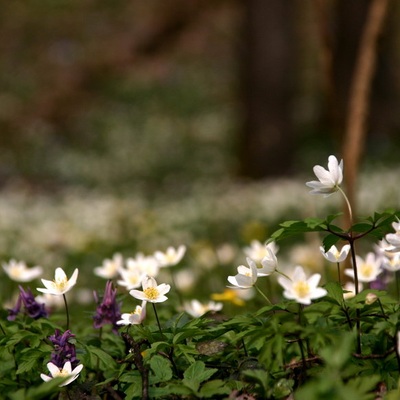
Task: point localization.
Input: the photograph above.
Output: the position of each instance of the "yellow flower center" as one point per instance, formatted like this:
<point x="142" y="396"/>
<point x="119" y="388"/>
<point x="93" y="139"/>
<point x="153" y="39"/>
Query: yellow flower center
<point x="151" y="293"/>
<point x="61" y="283"/>
<point x="337" y="254"/>
<point x="366" y="270"/>
<point x="301" y="288"/>
<point x="63" y="372"/>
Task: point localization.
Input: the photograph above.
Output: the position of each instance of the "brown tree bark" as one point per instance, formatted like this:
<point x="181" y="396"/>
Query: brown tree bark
<point x="267" y="142"/>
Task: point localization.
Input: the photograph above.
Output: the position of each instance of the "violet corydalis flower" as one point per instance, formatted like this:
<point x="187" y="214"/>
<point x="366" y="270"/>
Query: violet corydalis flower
<point x="64" y="349"/>
<point x="108" y="311"/>
<point x="32" y="308"/>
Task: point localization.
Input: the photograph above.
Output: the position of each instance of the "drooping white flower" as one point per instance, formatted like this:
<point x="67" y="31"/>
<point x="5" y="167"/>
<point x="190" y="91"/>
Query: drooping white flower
<point x="109" y="268"/>
<point x="300" y="288"/>
<point x="196" y="309"/>
<point x="61" y="283"/>
<point x="257" y="250"/>
<point x="65" y="372"/>
<point x="134" y="318"/>
<point x="329" y="180"/>
<point x="269" y="264"/>
<point x="19" y="272"/>
<point x="334" y="255"/>
<point x="171" y="256"/>
<point x="152" y="292"/>
<point x="246" y="276"/>
<point x="368" y="269"/>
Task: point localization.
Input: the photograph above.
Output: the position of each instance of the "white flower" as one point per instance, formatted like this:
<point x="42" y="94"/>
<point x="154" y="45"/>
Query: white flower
<point x="269" y="264"/>
<point x="334" y="255"/>
<point x="329" y="180"/>
<point x="109" y="268"/>
<point x="367" y="270"/>
<point x="391" y="263"/>
<point x="19" y="272"/>
<point x="257" y="250"/>
<point x="131" y="278"/>
<point x="146" y="265"/>
<point x="61" y="284"/>
<point x="246" y="277"/>
<point x="134" y="318"/>
<point x="152" y="292"/>
<point x="350" y="289"/>
<point x="171" y="257"/>
<point x="300" y="288"/>
<point x="65" y="372"/>
<point x="197" y="309"/>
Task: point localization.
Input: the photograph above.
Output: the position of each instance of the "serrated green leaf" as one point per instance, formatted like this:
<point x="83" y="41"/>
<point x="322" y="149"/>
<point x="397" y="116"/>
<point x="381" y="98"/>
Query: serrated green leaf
<point x="335" y="292"/>
<point x="28" y="361"/>
<point x="161" y="368"/>
<point x="196" y="374"/>
<point x="100" y="357"/>
<point x="213" y="388"/>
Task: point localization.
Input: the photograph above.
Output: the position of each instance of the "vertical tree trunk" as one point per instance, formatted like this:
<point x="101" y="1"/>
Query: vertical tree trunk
<point x="267" y="144"/>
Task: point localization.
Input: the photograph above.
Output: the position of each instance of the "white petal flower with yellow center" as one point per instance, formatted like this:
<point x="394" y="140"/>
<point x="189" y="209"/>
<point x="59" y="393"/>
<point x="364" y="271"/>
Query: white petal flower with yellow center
<point x="300" y="288"/>
<point x="109" y="268"/>
<point x="171" y="256"/>
<point x="65" y="372"/>
<point x="134" y="318"/>
<point x="61" y="283"/>
<point x="257" y="250"/>
<point x="131" y="278"/>
<point x="334" y="255"/>
<point x="19" y="272"/>
<point x="246" y="277"/>
<point x="391" y="263"/>
<point x="368" y="269"/>
<point x="196" y="309"/>
<point x="152" y="292"/>
<point x="329" y="180"/>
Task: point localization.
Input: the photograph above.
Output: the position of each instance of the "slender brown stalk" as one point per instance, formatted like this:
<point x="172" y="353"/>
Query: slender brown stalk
<point x="359" y="96"/>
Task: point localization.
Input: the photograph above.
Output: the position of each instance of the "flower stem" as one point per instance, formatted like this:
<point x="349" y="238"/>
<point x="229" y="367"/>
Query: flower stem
<point x="2" y="330"/>
<point x="353" y="257"/>
<point x="263" y="295"/>
<point x="66" y="309"/>
<point x="158" y="321"/>
<point x="338" y="272"/>
<point x="348" y="205"/>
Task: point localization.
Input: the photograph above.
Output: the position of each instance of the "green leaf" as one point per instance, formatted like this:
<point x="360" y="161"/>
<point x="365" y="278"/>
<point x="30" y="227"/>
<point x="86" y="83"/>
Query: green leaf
<point x="335" y="292"/>
<point x="329" y="241"/>
<point x="161" y="368"/>
<point x="213" y="388"/>
<point x="100" y="357"/>
<point x="196" y="374"/>
<point x="28" y="361"/>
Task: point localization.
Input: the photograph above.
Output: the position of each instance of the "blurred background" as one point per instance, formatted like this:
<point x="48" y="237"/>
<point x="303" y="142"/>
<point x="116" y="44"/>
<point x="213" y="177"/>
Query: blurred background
<point x="129" y="126"/>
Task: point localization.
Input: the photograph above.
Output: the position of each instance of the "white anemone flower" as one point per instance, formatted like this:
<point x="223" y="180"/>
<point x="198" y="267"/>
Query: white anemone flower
<point x="131" y="278"/>
<point x="334" y="255"/>
<point x="109" y="268"/>
<point x="147" y="265"/>
<point x="368" y="269"/>
<point x="257" y="250"/>
<point x="392" y="263"/>
<point x="171" y="256"/>
<point x="134" y="318"/>
<point x="329" y="180"/>
<point x="246" y="277"/>
<point x="152" y="292"/>
<point x="19" y="272"/>
<point x="61" y="283"/>
<point x="65" y="372"/>
<point x="269" y="264"/>
<point x="196" y="309"/>
<point x="300" y="288"/>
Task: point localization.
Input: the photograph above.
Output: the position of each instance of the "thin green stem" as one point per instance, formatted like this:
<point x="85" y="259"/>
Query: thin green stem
<point x="2" y="330"/>
<point x="397" y="285"/>
<point x="353" y="257"/>
<point x="66" y="309"/>
<point x="263" y="295"/>
<point x="338" y="272"/>
<point x="348" y="204"/>
<point x="158" y="321"/>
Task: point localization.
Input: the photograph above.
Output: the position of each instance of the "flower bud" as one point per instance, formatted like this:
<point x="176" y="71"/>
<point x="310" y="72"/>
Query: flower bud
<point x="370" y="298"/>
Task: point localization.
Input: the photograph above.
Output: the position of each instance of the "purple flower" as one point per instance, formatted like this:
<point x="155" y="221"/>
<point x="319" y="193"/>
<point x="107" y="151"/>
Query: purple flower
<point x="33" y="309"/>
<point x="108" y="310"/>
<point x="64" y="349"/>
